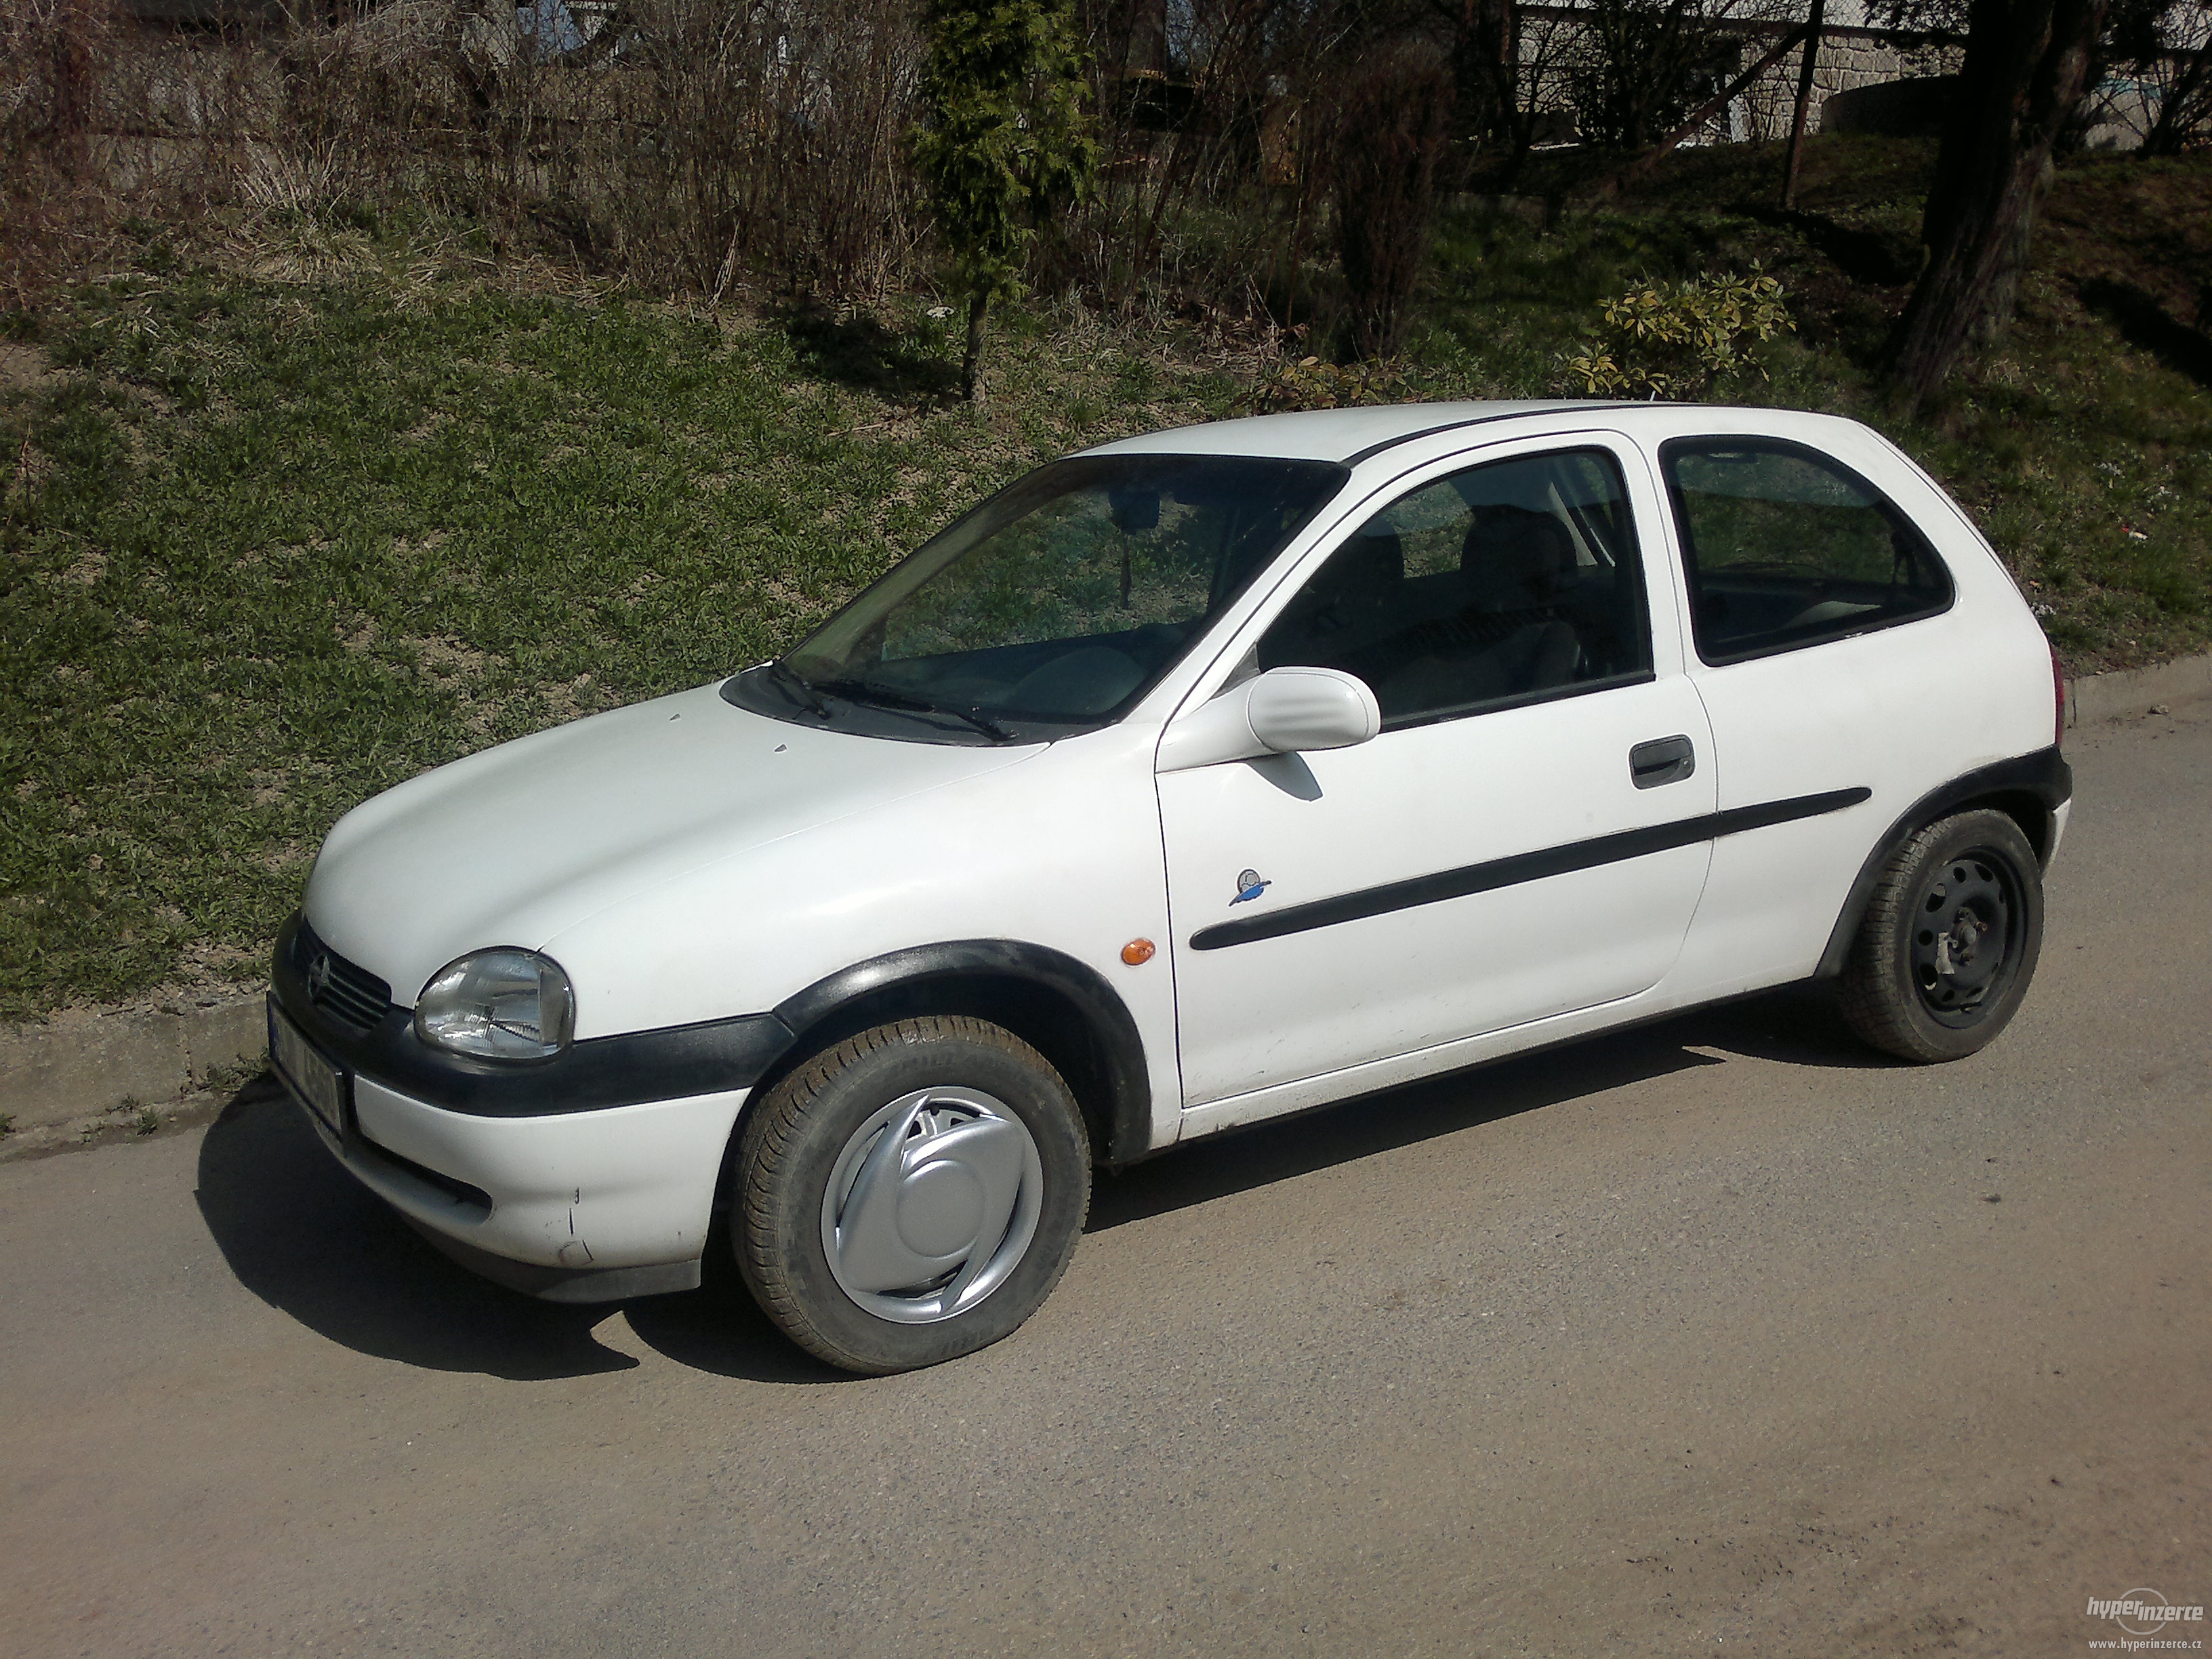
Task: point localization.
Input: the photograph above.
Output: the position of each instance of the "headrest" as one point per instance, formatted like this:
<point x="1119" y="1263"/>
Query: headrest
<point x="1518" y="557"/>
<point x="1370" y="566"/>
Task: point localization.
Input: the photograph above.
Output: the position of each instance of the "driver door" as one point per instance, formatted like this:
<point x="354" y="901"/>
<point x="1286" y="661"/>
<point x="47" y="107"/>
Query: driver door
<point x="1522" y="840"/>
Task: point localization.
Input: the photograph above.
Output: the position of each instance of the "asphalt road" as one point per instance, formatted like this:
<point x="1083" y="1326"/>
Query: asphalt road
<point x="1722" y="1336"/>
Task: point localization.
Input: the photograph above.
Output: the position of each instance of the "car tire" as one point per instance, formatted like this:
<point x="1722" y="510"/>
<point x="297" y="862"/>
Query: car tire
<point x="885" y="1256"/>
<point x="1949" y="941"/>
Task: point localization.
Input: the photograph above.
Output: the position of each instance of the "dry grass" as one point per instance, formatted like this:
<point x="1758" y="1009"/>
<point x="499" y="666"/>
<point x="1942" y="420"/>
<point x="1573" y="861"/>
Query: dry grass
<point x="708" y="149"/>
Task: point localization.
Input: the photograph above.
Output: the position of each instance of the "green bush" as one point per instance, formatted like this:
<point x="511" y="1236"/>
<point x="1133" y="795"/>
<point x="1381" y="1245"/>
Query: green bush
<point x="1680" y="339"/>
<point x="1309" y="383"/>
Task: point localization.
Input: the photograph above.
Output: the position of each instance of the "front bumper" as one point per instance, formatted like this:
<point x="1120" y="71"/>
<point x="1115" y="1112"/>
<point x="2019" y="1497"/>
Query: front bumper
<point x="572" y="1206"/>
<point x="583" y="1179"/>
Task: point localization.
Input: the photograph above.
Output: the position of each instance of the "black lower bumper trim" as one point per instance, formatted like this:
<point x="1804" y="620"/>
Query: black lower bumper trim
<point x="563" y="1284"/>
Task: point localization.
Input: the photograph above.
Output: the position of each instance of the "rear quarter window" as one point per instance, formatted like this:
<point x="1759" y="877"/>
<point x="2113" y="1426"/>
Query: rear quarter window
<point x="1784" y="547"/>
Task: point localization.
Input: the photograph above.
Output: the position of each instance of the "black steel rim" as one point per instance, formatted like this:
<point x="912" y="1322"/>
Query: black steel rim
<point x="1967" y="937"/>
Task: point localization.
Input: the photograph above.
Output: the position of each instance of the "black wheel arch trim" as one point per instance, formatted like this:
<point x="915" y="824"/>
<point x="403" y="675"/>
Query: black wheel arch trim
<point x="1127" y="1107"/>
<point x="637" y="1067"/>
<point x="2042" y="776"/>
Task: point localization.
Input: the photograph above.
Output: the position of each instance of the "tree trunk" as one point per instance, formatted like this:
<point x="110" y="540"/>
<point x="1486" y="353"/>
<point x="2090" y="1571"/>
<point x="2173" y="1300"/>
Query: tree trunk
<point x="2025" y="65"/>
<point x="1516" y="119"/>
<point x="71" y="48"/>
<point x="1645" y="87"/>
<point x="970" y="388"/>
<point x="1484" y="97"/>
<point x="474" y="67"/>
<point x="1804" y="101"/>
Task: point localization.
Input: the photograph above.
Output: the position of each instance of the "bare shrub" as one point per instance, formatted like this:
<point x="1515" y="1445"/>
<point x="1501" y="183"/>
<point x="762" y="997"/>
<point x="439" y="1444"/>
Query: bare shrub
<point x="1195" y="122"/>
<point x="1396" y="107"/>
<point x="687" y="145"/>
<point x="775" y="144"/>
<point x="1635" y="69"/>
<point x="1249" y="140"/>
<point x="50" y="52"/>
<point x="706" y="144"/>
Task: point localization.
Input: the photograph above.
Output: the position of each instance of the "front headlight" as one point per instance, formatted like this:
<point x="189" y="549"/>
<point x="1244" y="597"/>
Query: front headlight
<point x="498" y="1004"/>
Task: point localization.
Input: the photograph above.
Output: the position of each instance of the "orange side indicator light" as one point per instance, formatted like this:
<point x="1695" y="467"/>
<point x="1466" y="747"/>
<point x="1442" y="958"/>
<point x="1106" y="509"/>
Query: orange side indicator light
<point x="1138" y="951"/>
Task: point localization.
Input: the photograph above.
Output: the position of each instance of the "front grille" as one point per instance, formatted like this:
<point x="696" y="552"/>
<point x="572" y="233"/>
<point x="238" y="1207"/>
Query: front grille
<point x="351" y="995"/>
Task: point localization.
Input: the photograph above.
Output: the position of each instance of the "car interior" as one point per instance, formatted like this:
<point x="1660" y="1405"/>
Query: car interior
<point x="1507" y="582"/>
<point x="1065" y="611"/>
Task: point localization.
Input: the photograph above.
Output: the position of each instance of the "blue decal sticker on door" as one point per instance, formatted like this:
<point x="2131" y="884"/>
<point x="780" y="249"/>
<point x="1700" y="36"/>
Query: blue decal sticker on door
<point x="1249" y="885"/>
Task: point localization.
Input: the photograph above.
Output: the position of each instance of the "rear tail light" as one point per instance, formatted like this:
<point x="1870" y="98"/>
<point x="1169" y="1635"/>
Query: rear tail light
<point x="2058" y="696"/>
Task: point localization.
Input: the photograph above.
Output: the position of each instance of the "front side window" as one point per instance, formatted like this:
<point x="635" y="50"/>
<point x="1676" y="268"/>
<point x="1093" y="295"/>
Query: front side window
<point x="1507" y="583"/>
<point x="1055" y="605"/>
<point x="1786" y="547"/>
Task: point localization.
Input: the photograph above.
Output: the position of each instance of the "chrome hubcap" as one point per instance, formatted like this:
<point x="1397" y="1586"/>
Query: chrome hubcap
<point x="931" y="1203"/>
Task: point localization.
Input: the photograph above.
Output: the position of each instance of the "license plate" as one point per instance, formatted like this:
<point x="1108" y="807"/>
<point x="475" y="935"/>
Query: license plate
<point x="314" y="1082"/>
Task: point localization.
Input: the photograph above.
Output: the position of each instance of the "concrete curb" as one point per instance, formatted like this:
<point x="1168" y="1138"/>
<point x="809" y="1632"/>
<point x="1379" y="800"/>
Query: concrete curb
<point x="85" y="1062"/>
<point x="2132" y="691"/>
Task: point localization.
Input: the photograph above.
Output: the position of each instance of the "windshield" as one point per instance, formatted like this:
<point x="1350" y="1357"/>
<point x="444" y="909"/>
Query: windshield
<point x="1052" y="607"/>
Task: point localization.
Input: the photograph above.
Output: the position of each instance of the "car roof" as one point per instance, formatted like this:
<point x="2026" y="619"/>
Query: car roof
<point x="1349" y="436"/>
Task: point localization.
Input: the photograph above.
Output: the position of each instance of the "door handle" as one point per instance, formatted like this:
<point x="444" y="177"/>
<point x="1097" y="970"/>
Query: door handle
<point x="1662" y="760"/>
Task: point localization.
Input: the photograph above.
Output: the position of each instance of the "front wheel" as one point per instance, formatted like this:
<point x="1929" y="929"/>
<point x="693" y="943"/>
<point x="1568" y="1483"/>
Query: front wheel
<point x="911" y="1194"/>
<point x="1949" y="940"/>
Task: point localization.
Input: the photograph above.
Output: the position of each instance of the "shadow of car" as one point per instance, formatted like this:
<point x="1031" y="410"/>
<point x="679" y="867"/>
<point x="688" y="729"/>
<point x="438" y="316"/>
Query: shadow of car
<point x="307" y="1239"/>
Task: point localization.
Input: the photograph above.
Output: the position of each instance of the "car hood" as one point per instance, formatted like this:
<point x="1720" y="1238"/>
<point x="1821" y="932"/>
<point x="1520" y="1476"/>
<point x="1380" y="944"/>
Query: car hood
<point x="514" y="845"/>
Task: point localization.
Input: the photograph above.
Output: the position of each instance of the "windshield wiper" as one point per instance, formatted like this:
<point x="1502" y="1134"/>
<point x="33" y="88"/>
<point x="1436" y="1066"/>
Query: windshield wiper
<point x="797" y="683"/>
<point x="884" y="697"/>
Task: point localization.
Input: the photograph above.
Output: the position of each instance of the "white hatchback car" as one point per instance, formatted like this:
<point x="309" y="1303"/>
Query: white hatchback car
<point x="1197" y="779"/>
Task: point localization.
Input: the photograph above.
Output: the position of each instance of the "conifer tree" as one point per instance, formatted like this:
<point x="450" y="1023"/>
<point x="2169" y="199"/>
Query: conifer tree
<point x="1008" y="140"/>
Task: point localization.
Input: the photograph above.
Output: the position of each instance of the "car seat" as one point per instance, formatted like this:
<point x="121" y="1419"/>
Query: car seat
<point x="1518" y="563"/>
<point x="1348" y="605"/>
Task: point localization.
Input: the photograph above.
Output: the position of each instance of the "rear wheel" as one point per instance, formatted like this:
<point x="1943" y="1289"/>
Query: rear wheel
<point x="1949" y="940"/>
<point x="911" y="1194"/>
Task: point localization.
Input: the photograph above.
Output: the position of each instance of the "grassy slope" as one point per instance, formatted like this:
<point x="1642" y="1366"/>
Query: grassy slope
<point x="274" y="544"/>
<point x="289" y="546"/>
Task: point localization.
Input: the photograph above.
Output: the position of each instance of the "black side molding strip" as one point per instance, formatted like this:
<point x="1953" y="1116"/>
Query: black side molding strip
<point x="1520" y="867"/>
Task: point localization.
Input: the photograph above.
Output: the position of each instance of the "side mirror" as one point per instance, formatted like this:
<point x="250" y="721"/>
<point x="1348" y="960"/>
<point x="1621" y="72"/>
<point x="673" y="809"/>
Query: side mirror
<point x="1282" y="711"/>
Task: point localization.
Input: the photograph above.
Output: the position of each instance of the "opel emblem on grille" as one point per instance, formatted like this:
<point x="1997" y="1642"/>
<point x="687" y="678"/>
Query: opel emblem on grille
<point x="319" y="976"/>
